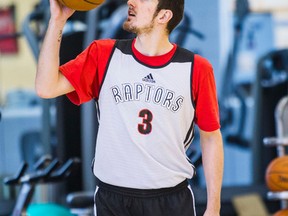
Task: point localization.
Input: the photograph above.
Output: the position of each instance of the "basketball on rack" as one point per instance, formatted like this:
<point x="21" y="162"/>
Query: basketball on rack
<point x="283" y="212"/>
<point x="276" y="175"/>
<point x="82" y="5"/>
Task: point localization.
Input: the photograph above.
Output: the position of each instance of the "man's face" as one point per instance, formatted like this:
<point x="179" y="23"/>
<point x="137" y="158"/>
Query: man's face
<point x="141" y="16"/>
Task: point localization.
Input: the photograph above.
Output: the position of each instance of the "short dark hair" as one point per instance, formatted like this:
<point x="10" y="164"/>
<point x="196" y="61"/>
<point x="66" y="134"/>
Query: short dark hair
<point x="177" y="8"/>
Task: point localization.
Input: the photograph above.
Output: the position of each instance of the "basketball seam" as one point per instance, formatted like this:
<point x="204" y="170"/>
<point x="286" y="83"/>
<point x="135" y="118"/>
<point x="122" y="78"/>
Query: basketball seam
<point x="89" y="2"/>
<point x="274" y="185"/>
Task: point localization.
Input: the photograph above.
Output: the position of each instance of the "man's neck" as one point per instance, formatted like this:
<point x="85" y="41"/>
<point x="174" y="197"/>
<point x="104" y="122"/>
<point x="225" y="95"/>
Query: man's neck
<point x="153" y="45"/>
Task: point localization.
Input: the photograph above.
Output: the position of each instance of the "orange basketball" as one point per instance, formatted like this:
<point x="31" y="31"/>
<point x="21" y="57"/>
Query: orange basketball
<point x="283" y="212"/>
<point x="82" y="5"/>
<point x="277" y="174"/>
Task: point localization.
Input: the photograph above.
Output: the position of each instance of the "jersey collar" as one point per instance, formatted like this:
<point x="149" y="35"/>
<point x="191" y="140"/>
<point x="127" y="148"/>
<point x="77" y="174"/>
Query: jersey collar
<point x="154" y="61"/>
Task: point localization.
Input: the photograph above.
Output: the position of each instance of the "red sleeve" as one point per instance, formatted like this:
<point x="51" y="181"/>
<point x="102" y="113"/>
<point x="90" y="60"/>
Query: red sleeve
<point x="205" y="95"/>
<point x="86" y="71"/>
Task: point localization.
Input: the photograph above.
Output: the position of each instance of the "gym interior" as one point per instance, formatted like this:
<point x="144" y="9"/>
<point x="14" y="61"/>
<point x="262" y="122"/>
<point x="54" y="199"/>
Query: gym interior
<point x="246" y="41"/>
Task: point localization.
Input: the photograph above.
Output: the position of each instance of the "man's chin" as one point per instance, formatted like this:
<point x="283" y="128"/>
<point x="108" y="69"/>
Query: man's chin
<point x="128" y="27"/>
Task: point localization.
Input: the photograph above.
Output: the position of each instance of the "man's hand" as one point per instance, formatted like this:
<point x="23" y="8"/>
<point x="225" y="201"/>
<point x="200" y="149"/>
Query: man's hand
<point x="59" y="11"/>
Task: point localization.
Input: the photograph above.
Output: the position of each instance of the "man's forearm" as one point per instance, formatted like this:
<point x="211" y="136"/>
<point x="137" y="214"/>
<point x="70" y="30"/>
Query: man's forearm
<point x="48" y="63"/>
<point x="213" y="160"/>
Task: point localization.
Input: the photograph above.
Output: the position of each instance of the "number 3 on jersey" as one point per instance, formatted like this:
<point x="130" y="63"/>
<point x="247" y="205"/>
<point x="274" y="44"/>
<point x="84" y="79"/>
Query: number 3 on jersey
<point x="145" y="127"/>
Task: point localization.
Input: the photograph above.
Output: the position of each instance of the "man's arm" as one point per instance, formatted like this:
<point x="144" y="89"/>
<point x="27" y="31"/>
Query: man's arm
<point x="213" y="162"/>
<point x="49" y="81"/>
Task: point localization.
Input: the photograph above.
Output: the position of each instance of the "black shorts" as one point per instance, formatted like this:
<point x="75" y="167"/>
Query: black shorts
<point x="120" y="201"/>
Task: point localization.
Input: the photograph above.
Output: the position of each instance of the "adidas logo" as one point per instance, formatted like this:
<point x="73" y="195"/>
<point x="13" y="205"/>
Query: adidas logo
<point x="149" y="78"/>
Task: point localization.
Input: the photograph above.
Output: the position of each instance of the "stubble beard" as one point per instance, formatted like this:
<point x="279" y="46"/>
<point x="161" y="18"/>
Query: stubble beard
<point x="127" y="26"/>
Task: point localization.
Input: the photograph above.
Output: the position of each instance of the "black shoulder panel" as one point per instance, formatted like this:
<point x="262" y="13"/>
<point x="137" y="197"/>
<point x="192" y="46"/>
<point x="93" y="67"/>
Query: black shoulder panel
<point x="183" y="55"/>
<point x="124" y="45"/>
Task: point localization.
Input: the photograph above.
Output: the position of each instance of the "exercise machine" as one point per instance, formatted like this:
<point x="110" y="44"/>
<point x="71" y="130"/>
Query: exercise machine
<point x="271" y="87"/>
<point x="230" y="90"/>
<point x="45" y="171"/>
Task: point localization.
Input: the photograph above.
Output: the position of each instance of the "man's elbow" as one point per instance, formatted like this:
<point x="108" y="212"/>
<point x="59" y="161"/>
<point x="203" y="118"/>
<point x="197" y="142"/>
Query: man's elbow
<point x="43" y="92"/>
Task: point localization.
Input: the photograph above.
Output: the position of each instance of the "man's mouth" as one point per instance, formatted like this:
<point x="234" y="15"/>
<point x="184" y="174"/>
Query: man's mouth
<point x="131" y="13"/>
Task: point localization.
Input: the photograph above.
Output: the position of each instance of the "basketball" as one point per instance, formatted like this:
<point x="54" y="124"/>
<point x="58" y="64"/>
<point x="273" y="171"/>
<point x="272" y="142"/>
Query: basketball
<point x="283" y="212"/>
<point x="277" y="174"/>
<point x="82" y="5"/>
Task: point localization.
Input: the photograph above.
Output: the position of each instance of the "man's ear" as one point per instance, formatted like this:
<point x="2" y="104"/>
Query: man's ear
<point x="164" y="16"/>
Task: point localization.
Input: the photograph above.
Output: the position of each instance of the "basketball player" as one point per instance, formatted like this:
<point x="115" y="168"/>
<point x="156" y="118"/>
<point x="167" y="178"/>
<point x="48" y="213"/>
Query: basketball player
<point x="149" y="94"/>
